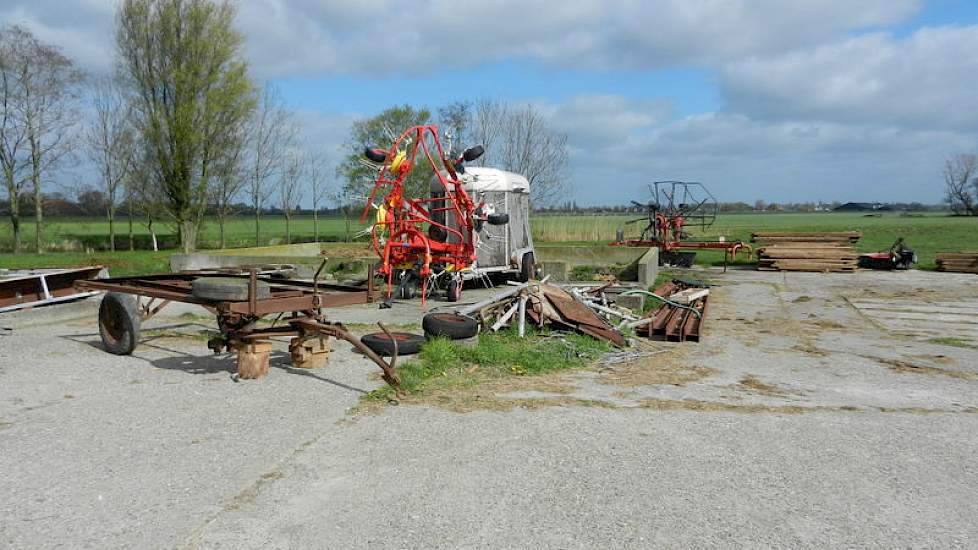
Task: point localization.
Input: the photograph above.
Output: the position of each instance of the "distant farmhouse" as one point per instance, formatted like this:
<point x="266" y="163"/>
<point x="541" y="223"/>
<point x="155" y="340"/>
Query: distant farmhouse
<point x="862" y="207"/>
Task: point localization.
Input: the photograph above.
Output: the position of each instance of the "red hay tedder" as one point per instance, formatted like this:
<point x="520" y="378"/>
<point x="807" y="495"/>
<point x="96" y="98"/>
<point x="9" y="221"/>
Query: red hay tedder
<point x="433" y="236"/>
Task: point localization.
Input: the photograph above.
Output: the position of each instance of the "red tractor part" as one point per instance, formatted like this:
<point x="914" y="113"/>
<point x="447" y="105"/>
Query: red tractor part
<point x="427" y="233"/>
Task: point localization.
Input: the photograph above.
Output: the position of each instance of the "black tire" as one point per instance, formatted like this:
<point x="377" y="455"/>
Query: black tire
<point x="380" y="343"/>
<point x="497" y="219"/>
<point x="528" y="267"/>
<point x="452" y="325"/>
<point x="227" y="289"/>
<point x="376" y="155"/>
<point x="454" y="291"/>
<point x="118" y="323"/>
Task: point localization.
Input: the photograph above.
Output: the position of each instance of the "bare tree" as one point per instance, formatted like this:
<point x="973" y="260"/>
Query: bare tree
<point x="270" y="134"/>
<point x="317" y="170"/>
<point x="13" y="133"/>
<point x="490" y="118"/>
<point x="531" y="148"/>
<point x="144" y="194"/>
<point x="455" y="121"/>
<point x="109" y="142"/>
<point x="290" y="187"/>
<point x="42" y="88"/>
<point x="961" y="184"/>
<point x="230" y="174"/>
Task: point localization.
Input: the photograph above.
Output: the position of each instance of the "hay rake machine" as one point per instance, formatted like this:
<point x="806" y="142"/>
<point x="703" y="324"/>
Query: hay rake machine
<point x="675" y="206"/>
<point x="430" y="239"/>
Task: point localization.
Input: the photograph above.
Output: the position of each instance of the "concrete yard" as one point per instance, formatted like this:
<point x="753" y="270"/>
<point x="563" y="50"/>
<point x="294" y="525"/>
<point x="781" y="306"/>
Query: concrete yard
<point x="820" y="411"/>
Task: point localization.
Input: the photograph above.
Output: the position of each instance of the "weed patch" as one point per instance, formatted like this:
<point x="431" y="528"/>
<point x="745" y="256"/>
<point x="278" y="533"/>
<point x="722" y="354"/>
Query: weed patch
<point x="499" y="363"/>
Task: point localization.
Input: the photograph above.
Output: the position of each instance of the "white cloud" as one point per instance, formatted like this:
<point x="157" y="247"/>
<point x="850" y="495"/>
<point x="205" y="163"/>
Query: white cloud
<point x="321" y="37"/>
<point x="922" y="81"/>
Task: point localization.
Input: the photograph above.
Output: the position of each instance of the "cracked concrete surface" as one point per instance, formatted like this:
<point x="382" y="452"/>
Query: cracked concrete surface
<point x="805" y="422"/>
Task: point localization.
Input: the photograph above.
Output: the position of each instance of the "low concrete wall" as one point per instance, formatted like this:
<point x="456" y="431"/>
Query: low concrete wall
<point x="588" y="255"/>
<point x="305" y="256"/>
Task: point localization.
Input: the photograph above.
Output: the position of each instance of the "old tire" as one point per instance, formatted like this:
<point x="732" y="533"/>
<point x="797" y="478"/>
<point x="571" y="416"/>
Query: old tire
<point x="451" y="325"/>
<point x="118" y="323"/>
<point x="528" y="267"/>
<point x="227" y="289"/>
<point x="380" y="343"/>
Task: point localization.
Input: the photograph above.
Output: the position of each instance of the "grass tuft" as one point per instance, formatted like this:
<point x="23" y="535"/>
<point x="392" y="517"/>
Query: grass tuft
<point x="444" y="364"/>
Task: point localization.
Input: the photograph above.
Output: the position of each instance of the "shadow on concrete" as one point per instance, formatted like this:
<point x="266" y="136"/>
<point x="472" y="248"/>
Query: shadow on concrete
<point x="189" y="363"/>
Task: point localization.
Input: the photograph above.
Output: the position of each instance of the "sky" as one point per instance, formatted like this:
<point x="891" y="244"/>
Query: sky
<point x="807" y="100"/>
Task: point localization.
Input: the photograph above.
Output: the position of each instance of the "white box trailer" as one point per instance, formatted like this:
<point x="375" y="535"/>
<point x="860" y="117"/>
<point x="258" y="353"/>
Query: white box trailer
<point x="501" y="247"/>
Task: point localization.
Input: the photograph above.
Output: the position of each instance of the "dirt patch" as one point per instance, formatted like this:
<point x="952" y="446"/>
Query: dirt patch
<point x="809" y="348"/>
<point x="915" y="368"/>
<point x="801" y="300"/>
<point x="249" y="495"/>
<point x="827" y="324"/>
<point x="715" y="406"/>
<point x="751" y="383"/>
<point x="666" y="369"/>
<point x="4" y="425"/>
<point x="939" y="359"/>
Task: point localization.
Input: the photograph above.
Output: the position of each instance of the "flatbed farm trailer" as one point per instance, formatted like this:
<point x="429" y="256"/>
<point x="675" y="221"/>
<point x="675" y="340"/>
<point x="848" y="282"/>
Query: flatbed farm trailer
<point x="239" y="301"/>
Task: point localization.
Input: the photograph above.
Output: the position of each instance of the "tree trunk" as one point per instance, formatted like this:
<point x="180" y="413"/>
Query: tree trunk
<point x="111" y="215"/>
<point x="288" y="229"/>
<point x="38" y="214"/>
<point x="15" y="222"/>
<point x="152" y="235"/>
<point x="315" y="223"/>
<point x="188" y="236"/>
<point x="220" y="224"/>
<point x="257" y="226"/>
<point x="132" y="240"/>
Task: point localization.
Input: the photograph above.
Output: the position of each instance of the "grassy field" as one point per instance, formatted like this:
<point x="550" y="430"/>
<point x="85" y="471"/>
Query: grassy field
<point x="70" y="238"/>
<point x="926" y="233"/>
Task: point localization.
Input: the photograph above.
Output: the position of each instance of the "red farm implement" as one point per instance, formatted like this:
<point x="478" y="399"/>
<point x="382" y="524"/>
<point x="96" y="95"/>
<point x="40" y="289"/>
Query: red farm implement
<point x="433" y="236"/>
<point x="675" y="206"/>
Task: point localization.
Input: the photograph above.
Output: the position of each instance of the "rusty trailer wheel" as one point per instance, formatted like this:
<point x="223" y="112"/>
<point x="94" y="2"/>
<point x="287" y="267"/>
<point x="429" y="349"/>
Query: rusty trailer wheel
<point x="118" y="323"/>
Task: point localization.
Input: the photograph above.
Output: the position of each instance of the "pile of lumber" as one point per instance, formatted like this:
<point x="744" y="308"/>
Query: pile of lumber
<point x="680" y="319"/>
<point x="547" y="305"/>
<point x="810" y="251"/>
<point x="961" y="262"/>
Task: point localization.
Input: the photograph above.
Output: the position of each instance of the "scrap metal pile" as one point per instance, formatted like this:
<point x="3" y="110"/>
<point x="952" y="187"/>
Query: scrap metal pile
<point x="961" y="262"/>
<point x="545" y="305"/>
<point x="681" y="317"/>
<point x="812" y="251"/>
<point x="593" y="311"/>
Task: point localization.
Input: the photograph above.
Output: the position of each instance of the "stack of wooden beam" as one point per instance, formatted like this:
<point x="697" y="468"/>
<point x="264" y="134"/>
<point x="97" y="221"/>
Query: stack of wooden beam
<point x="961" y="262"/>
<point x="812" y="251"/>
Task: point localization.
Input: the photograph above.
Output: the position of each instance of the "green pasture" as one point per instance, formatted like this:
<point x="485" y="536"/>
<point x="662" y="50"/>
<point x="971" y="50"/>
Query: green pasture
<point x="84" y="241"/>
<point x="927" y="233"/>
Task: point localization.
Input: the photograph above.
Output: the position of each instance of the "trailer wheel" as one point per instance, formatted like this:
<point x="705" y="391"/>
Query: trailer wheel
<point x="380" y="343"/>
<point x="454" y="291"/>
<point x="528" y="267"/>
<point x="227" y="289"/>
<point x="118" y="323"/>
<point x="452" y="325"/>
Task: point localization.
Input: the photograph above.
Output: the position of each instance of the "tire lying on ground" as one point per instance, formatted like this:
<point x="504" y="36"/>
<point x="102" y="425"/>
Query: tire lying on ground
<point x="380" y="343"/>
<point x="227" y="289"/>
<point x="118" y="323"/>
<point x="451" y="325"/>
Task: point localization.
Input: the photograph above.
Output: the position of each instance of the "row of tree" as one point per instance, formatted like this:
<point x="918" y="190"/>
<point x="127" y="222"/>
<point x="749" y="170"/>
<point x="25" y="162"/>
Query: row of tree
<point x="178" y="127"/>
<point x="180" y="130"/>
